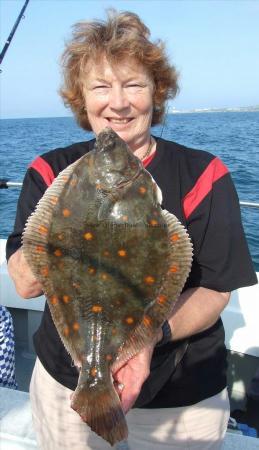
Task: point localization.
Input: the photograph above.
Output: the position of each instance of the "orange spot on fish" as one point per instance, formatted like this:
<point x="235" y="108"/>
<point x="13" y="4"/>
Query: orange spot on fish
<point x="142" y="190"/>
<point x="76" y="326"/>
<point x="66" y="212"/>
<point x="66" y="331"/>
<point x="65" y="178"/>
<point x="97" y="308"/>
<point x="122" y="253"/>
<point x="93" y="371"/>
<point x="104" y="276"/>
<point x="124" y="218"/>
<point x="44" y="271"/>
<point x="60" y="236"/>
<point x="147" y="321"/>
<point x="149" y="280"/>
<point x="88" y="236"/>
<point x="73" y="182"/>
<point x="54" y="300"/>
<point x="58" y="252"/>
<point x="108" y="357"/>
<point x="153" y="222"/>
<point x="42" y="229"/>
<point x="54" y="200"/>
<point x="99" y="186"/>
<point x="40" y="249"/>
<point x="106" y="253"/>
<point x="66" y="298"/>
<point x="162" y="299"/>
<point x="129" y="320"/>
<point x="173" y="269"/>
<point x="76" y="285"/>
<point x="91" y="270"/>
<point x="174" y="237"/>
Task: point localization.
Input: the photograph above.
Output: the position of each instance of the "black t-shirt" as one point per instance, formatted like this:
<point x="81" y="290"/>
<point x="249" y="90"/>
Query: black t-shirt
<point x="198" y="189"/>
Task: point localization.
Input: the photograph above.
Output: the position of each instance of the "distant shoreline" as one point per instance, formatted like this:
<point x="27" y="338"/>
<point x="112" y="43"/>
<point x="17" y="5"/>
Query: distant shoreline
<point x="212" y="110"/>
<point x="169" y="112"/>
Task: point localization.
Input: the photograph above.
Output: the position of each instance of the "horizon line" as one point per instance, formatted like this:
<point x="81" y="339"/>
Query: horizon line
<point x="171" y="110"/>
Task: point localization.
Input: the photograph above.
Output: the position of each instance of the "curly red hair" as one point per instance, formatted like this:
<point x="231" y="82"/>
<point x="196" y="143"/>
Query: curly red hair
<point x="122" y="36"/>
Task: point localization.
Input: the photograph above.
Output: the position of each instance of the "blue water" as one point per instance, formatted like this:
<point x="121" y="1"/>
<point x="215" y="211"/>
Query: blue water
<point x="234" y="137"/>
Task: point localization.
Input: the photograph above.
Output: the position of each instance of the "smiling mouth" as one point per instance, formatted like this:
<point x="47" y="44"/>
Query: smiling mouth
<point x="119" y="121"/>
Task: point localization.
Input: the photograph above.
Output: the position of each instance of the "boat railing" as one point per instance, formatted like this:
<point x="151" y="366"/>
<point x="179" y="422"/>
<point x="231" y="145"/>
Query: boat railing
<point x="5" y="184"/>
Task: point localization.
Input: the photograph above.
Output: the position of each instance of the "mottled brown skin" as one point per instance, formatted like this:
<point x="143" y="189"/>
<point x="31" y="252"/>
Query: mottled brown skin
<point x="108" y="249"/>
<point x="99" y="243"/>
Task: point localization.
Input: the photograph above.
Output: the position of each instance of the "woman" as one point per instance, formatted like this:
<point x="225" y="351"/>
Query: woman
<point x="115" y="76"/>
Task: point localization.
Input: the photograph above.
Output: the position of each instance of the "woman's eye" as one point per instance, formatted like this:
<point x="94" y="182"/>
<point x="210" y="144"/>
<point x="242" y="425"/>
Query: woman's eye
<point x="100" y="87"/>
<point x="134" y="87"/>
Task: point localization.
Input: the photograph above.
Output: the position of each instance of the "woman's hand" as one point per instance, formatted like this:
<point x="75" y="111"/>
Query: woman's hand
<point x="27" y="286"/>
<point x="131" y="376"/>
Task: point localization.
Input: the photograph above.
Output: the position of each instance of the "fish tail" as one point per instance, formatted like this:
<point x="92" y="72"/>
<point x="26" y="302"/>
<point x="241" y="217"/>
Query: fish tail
<point x="100" y="408"/>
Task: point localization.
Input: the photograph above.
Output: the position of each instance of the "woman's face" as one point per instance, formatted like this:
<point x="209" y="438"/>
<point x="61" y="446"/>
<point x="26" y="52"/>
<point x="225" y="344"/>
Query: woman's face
<point x="120" y="97"/>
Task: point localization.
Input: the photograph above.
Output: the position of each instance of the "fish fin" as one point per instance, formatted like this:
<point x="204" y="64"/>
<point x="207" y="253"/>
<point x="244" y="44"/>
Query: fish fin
<point x="99" y="406"/>
<point x="178" y="269"/>
<point x="159" y="195"/>
<point x="36" y="252"/>
<point x="35" y="235"/>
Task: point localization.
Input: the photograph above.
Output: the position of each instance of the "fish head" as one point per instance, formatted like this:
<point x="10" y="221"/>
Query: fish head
<point x="114" y="163"/>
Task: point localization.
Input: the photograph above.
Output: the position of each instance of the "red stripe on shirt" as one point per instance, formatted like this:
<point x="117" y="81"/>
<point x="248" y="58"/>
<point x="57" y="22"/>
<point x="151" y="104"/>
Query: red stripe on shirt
<point x="44" y="169"/>
<point x="215" y="170"/>
<point x="148" y="160"/>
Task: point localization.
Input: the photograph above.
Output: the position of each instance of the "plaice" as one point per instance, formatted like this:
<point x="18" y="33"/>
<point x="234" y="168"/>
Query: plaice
<point x="112" y="264"/>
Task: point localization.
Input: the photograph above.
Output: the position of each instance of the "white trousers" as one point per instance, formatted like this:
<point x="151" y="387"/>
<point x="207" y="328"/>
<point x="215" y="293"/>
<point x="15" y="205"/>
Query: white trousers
<point x="58" y="427"/>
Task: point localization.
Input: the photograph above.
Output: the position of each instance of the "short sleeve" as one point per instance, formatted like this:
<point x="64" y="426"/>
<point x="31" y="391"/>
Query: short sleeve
<point x="221" y="257"/>
<point x="32" y="190"/>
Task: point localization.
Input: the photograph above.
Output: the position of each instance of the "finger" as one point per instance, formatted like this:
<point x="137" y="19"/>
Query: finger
<point x="128" y="399"/>
<point x="118" y="387"/>
<point x="121" y="387"/>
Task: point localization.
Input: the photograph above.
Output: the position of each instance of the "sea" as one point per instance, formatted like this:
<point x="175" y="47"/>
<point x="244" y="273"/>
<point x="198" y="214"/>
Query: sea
<point x="232" y="136"/>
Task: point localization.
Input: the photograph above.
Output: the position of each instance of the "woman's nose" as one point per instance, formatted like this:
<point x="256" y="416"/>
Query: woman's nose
<point x="118" y="98"/>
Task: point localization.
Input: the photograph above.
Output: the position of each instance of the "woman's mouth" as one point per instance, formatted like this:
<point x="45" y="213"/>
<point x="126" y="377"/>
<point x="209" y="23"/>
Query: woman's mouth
<point x="118" y="121"/>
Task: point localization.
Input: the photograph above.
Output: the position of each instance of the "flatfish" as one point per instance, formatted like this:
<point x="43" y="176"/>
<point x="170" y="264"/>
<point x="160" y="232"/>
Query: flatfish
<point x="112" y="264"/>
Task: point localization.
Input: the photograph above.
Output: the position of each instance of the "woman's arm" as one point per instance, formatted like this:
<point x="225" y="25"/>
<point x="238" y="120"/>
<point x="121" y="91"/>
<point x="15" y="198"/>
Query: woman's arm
<point x="196" y="310"/>
<point x="25" y="282"/>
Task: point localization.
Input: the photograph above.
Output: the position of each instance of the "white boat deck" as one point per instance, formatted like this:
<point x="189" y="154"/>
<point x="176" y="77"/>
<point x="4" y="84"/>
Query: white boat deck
<point x="16" y="430"/>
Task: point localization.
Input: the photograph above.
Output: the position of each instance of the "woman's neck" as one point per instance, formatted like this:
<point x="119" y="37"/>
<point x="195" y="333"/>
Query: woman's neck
<point x="146" y="149"/>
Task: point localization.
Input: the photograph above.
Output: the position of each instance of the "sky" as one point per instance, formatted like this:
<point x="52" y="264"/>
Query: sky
<point x="214" y="44"/>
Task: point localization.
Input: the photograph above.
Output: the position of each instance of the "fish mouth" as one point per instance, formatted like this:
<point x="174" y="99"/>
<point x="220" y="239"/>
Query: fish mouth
<point x="122" y="184"/>
<point x="125" y="183"/>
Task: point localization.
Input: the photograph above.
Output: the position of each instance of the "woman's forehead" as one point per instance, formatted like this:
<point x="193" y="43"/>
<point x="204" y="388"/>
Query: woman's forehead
<point x="126" y="68"/>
